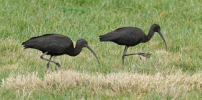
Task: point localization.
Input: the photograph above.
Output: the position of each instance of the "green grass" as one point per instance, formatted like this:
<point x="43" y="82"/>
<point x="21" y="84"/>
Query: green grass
<point x="180" y="23"/>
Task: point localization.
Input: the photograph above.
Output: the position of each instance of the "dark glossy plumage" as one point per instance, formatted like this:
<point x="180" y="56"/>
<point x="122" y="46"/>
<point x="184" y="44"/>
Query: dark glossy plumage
<point x="128" y="36"/>
<point x="131" y="36"/>
<point x="55" y="45"/>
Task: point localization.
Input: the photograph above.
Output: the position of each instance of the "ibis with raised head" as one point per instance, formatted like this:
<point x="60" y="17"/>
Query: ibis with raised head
<point x="131" y="36"/>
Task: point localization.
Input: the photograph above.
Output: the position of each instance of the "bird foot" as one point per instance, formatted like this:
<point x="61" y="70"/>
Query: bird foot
<point x="147" y="55"/>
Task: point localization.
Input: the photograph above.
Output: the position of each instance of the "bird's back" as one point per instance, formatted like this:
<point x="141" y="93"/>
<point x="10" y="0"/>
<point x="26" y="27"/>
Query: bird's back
<point x="54" y="44"/>
<point x="129" y="36"/>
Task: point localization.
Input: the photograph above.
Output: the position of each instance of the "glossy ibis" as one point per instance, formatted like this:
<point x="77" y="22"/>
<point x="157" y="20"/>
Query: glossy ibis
<point x="131" y="36"/>
<point x="55" y="45"/>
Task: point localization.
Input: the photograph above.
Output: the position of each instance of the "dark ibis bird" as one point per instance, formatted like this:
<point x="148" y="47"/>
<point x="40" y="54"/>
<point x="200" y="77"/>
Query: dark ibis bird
<point x="55" y="45"/>
<point x="131" y="36"/>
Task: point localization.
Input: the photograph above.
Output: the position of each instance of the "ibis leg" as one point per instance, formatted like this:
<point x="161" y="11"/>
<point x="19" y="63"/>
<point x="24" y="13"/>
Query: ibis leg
<point x="147" y="55"/>
<point x="139" y="53"/>
<point x="49" y="60"/>
<point x="124" y="54"/>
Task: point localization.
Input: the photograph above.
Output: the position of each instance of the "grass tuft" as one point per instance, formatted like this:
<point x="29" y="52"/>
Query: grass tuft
<point x="173" y="85"/>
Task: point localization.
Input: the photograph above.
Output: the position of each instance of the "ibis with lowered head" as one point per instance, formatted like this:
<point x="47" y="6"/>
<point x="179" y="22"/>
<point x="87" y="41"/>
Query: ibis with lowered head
<point x="55" y="45"/>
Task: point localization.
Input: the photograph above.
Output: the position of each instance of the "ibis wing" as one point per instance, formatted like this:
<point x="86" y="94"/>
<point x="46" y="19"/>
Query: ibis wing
<point x="55" y="46"/>
<point x="49" y="43"/>
<point x="129" y="36"/>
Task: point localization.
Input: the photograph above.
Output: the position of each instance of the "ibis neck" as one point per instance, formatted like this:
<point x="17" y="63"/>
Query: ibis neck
<point x="76" y="50"/>
<point x="148" y="36"/>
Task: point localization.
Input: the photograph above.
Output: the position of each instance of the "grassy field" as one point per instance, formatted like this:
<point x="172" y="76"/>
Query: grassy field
<point x="173" y="74"/>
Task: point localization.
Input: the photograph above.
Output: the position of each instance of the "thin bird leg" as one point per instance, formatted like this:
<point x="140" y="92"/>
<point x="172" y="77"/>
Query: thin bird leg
<point x="147" y="55"/>
<point x="49" y="60"/>
<point x="124" y="54"/>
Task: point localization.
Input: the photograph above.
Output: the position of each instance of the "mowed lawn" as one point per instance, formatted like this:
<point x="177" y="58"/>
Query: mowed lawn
<point x="173" y="74"/>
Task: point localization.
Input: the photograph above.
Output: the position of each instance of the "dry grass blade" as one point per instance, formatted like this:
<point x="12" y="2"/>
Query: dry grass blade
<point x="173" y="84"/>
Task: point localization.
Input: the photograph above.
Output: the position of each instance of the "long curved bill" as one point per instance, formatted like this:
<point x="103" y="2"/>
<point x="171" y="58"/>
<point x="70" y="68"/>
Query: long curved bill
<point x="163" y="40"/>
<point x="93" y="53"/>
